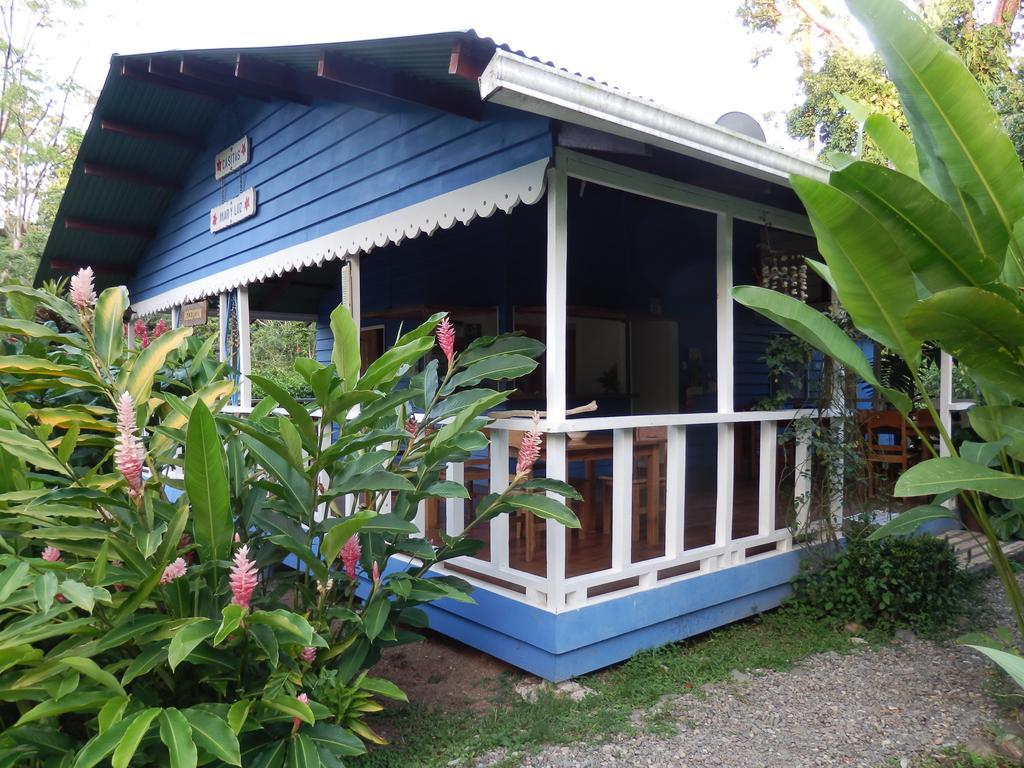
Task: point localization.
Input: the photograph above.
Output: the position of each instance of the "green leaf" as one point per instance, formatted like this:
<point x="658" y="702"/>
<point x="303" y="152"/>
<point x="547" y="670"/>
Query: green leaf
<point x="894" y="143"/>
<point x="496" y="368"/>
<point x="345" y="354"/>
<point x="148" y="658"/>
<point x="818" y="331"/>
<point x="176" y="734"/>
<point x="337" y="740"/>
<point x="302" y="753"/>
<point x="447" y="489"/>
<point x="382" y="687"/>
<point x="151" y="360"/>
<point x="378" y="480"/>
<point x="232" y="617"/>
<point x="78" y="594"/>
<point x="340" y="532"/>
<point x="267" y="755"/>
<point x="981" y="329"/>
<point x="383" y="371"/>
<point x="937" y="476"/>
<point x="292" y="707"/>
<point x="136" y="731"/>
<point x="924" y="228"/>
<point x="964" y="153"/>
<point x="555" y="486"/>
<point x="909" y="521"/>
<point x="207" y="486"/>
<point x="101" y="745"/>
<point x="996" y="423"/>
<point x="186" y="639"/>
<point x="267" y="640"/>
<point x="376" y="615"/>
<point x="982" y="453"/>
<point x="1011" y="663"/>
<point x="238" y="713"/>
<point x="287" y="622"/>
<point x="14" y="577"/>
<point x="92" y="670"/>
<point x="214" y="736"/>
<point x="80" y="701"/>
<point x="544" y="507"/>
<point x="108" y="324"/>
<point x="300" y="417"/>
<point x="874" y="279"/>
<point x="31" y="450"/>
<point x="112" y="712"/>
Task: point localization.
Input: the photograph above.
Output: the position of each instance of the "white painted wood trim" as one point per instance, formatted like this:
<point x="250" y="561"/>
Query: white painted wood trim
<point x="176" y="317"/>
<point x="499" y="482"/>
<point x="555" y="357"/>
<point x="625" y="179"/>
<point x="355" y="277"/>
<point x="802" y="482"/>
<point x="724" y="499"/>
<point x="244" y="349"/>
<point x="725" y="326"/>
<point x="502" y="192"/>
<point x="455" y="509"/>
<point x="766" y="479"/>
<point x="654" y="420"/>
<point x="622" y="499"/>
<point x="945" y="398"/>
<point x="675" y="491"/>
<point x="555" y="532"/>
<point x="222" y="327"/>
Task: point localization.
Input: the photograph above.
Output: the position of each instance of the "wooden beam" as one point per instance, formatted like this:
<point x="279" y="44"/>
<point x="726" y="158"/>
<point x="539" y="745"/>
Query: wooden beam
<point x="283" y="81"/>
<point x="107" y="228"/>
<point x="140" y="72"/>
<point x="374" y="78"/>
<point x="223" y="76"/>
<point x="111" y="173"/>
<point x="171" y="70"/>
<point x="161" y="137"/>
<point x="468" y="60"/>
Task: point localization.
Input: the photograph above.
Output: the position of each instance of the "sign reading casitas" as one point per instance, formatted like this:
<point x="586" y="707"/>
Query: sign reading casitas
<point x="232" y="158"/>
<point x="234" y="210"/>
<point x="193" y="314"/>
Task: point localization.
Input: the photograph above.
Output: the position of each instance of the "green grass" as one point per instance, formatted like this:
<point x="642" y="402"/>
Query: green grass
<point x="431" y="737"/>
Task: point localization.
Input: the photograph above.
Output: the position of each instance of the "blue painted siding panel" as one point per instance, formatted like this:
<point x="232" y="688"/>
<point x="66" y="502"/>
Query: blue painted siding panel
<point x="323" y="168"/>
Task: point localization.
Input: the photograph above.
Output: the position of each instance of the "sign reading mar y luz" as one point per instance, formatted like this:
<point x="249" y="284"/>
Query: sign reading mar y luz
<point x="234" y="210"/>
<point x="231" y="159"/>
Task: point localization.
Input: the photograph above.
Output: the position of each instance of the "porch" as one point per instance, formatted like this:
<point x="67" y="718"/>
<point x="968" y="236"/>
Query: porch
<point x="690" y="498"/>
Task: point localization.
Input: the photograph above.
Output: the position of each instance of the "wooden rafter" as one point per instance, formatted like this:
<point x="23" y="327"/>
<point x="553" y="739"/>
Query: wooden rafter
<point x="149" y="134"/>
<point x="469" y="59"/>
<point x="275" y="79"/>
<point x="112" y="173"/>
<point x="140" y="72"/>
<point x="73" y="265"/>
<point x="109" y="228"/>
<point x="336" y="67"/>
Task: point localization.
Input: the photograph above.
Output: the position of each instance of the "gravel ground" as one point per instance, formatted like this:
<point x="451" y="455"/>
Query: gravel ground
<point x="873" y="707"/>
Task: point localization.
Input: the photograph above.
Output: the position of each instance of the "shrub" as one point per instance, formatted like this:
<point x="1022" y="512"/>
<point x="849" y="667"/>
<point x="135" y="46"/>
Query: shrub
<point x="148" y="627"/>
<point x="898" y="582"/>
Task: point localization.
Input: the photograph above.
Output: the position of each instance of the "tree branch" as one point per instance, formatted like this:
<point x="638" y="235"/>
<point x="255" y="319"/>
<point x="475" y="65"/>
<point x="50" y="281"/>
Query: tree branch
<point x="1005" y="12"/>
<point x="828" y="26"/>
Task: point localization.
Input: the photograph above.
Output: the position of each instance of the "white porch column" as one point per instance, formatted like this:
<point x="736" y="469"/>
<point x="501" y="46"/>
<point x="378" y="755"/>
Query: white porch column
<point x="945" y="398"/>
<point x="350" y="287"/>
<point x="555" y="359"/>
<point x="176" y="316"/>
<point x="130" y="337"/>
<point x="244" y="349"/>
<point x="724" y="375"/>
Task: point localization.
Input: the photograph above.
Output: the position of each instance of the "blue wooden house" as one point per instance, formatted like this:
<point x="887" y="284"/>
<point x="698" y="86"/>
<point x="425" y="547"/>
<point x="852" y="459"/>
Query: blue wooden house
<point x="407" y="175"/>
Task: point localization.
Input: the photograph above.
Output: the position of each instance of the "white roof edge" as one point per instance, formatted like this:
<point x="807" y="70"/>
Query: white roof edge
<point x="518" y="82"/>
<point x="503" y="192"/>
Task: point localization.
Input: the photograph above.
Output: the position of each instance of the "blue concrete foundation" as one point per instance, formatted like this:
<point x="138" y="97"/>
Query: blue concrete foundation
<point x="560" y="646"/>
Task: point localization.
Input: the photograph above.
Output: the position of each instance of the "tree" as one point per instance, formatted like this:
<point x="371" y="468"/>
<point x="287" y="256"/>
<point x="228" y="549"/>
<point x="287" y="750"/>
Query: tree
<point x="37" y="145"/>
<point x="833" y="60"/>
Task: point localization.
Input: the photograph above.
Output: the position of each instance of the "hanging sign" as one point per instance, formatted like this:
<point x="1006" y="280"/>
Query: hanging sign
<point x="234" y="210"/>
<point x="193" y="314"/>
<point x="232" y="158"/>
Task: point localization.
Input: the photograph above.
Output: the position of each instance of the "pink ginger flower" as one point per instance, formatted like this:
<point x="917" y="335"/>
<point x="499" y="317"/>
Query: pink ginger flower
<point x="529" y="449"/>
<point x="446" y="339"/>
<point x="243" y="578"/>
<point x="83" y="289"/>
<point x="141" y="334"/>
<point x="412" y="425"/>
<point x="238" y="538"/>
<point x="376" y="572"/>
<point x="308" y="654"/>
<point x="160" y="329"/>
<point x="174" y="571"/>
<point x="350" y="556"/>
<point x="184" y="542"/>
<point x="129" y="455"/>
<point x="296" y="721"/>
<point x="51" y="555"/>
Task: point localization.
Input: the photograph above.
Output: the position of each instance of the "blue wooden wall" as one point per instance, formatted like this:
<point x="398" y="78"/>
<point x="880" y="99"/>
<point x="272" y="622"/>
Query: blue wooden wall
<point x="322" y="168"/>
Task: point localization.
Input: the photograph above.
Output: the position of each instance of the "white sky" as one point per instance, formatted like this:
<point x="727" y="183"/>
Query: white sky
<point x="692" y="55"/>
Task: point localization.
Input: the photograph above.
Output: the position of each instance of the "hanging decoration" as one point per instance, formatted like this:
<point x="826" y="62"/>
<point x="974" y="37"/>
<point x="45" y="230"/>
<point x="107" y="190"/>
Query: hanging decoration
<point x="782" y="271"/>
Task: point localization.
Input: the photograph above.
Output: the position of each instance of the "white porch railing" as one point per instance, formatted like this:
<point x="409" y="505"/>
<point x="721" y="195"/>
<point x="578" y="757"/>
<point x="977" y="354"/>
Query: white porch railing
<point x="678" y="559"/>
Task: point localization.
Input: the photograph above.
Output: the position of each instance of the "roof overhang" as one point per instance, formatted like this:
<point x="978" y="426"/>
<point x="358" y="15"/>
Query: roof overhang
<point x="528" y="85"/>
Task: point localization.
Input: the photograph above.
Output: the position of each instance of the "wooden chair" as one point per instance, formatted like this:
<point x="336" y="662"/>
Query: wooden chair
<point x="887" y="443"/>
<point x="642" y="494"/>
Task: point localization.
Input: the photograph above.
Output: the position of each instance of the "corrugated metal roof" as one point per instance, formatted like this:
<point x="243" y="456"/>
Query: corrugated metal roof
<point x="117" y="204"/>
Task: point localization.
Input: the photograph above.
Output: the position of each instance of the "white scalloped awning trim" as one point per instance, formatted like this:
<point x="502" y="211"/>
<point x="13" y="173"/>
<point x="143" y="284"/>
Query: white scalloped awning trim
<point x="502" y="192"/>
